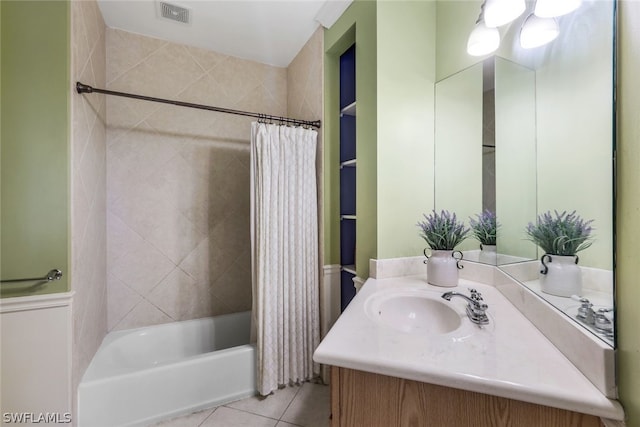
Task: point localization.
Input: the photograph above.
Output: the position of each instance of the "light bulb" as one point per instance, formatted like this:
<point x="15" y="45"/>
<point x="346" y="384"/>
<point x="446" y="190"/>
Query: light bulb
<point x="500" y="12"/>
<point x="538" y="31"/>
<point x="483" y="40"/>
<point x="553" y="8"/>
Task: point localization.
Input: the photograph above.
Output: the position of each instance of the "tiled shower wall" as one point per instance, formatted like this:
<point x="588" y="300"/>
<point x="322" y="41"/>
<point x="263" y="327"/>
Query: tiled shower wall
<point x="305" y="83"/>
<point x="305" y="88"/>
<point x="178" y="180"/>
<point x="88" y="187"/>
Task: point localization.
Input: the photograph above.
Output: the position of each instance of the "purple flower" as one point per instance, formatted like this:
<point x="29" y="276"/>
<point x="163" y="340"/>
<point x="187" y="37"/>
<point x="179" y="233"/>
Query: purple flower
<point x="561" y="234"/>
<point x="442" y="231"/>
<point x="485" y="229"/>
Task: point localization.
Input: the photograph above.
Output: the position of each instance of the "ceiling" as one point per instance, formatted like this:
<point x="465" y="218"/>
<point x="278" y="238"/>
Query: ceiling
<point x="268" y="31"/>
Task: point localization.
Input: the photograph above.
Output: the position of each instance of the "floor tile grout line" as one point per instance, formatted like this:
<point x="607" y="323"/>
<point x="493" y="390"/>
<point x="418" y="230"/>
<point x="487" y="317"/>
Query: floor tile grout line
<point x="226" y="405"/>
<point x="277" y="421"/>
<point x="251" y="413"/>
<point x="289" y="405"/>
<point x="215" y="408"/>
<point x="248" y="412"/>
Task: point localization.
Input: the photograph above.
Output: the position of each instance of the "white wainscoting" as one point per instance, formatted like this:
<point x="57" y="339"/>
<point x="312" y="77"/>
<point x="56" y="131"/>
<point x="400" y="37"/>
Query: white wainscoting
<point x="330" y="296"/>
<point x="35" y="357"/>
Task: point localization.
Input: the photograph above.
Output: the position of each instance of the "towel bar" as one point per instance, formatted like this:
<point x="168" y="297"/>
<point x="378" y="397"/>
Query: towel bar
<point x="54" y="274"/>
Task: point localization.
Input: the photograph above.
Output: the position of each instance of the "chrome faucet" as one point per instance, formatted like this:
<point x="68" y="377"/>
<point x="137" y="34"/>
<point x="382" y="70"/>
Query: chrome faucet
<point x="597" y="319"/>
<point x="602" y="323"/>
<point x="585" y="312"/>
<point x="476" y="310"/>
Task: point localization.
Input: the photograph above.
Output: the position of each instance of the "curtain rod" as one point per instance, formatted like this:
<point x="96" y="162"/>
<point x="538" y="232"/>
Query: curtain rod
<point x="83" y="88"/>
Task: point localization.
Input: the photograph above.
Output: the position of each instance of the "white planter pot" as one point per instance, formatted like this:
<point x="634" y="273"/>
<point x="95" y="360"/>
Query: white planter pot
<point x="560" y="275"/>
<point x="442" y="267"/>
<point x="488" y="254"/>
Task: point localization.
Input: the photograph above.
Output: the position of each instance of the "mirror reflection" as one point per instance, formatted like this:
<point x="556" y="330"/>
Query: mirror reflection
<point x="528" y="132"/>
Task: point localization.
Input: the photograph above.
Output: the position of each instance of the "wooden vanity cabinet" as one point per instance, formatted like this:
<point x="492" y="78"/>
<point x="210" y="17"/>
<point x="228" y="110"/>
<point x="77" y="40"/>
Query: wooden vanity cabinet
<point x="361" y="399"/>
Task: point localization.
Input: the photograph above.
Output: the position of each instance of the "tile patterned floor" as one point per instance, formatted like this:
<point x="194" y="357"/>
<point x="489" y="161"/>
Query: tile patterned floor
<point x="298" y="406"/>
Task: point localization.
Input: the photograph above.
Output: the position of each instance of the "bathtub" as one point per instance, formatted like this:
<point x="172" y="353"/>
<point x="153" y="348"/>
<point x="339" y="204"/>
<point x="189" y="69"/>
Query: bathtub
<point x="140" y="376"/>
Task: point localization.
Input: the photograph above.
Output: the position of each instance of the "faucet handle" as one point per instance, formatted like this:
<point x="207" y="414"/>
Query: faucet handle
<point x="585" y="302"/>
<point x="475" y="295"/>
<point x="602" y="321"/>
<point x="606" y="312"/>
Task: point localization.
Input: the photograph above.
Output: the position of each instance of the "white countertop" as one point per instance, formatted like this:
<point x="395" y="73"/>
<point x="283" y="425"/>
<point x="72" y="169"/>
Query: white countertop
<point x="508" y="358"/>
<point x="570" y="306"/>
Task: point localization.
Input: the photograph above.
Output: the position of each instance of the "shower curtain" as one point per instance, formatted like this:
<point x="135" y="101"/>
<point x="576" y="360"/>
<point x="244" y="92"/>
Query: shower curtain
<point x="284" y="245"/>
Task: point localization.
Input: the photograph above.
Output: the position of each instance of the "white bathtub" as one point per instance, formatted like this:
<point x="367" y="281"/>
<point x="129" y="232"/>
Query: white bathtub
<point x="144" y="375"/>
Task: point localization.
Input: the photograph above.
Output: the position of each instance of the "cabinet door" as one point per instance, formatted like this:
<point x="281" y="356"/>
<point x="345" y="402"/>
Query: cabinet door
<point x="365" y="399"/>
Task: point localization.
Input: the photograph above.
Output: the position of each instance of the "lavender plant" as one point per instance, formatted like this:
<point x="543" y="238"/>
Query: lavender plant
<point x="442" y="231"/>
<point x="485" y="228"/>
<point x="562" y="234"/>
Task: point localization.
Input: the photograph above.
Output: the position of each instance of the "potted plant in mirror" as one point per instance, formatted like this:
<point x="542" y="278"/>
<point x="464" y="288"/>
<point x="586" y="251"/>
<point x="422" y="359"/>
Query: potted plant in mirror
<point x="485" y="229"/>
<point x="442" y="232"/>
<point x="561" y="237"/>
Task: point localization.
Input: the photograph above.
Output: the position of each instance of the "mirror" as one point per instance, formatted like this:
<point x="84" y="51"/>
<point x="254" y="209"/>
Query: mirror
<point x="493" y="100"/>
<point x="535" y="127"/>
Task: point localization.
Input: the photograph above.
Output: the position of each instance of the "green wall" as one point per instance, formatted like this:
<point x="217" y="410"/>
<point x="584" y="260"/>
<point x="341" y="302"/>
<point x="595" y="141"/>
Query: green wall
<point x="34" y="143"/>
<point x="395" y="51"/>
<point x="628" y="215"/>
<point x="405" y="87"/>
<point x="453" y="26"/>
<point x="357" y="24"/>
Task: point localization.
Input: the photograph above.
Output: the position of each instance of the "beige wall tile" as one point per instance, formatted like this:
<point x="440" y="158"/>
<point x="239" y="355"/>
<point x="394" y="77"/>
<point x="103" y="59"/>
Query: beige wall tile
<point x="159" y="187"/>
<point x="142" y="267"/>
<point x="165" y="73"/>
<point x="178" y="179"/>
<point x="305" y="101"/>
<point x="207" y="261"/>
<point x="178" y="296"/>
<point x="126" y="50"/>
<point x="143" y="314"/>
<point x="88" y="189"/>
<point x="122" y="300"/>
<point x="205" y="58"/>
<point x="305" y="80"/>
<point x="234" y="286"/>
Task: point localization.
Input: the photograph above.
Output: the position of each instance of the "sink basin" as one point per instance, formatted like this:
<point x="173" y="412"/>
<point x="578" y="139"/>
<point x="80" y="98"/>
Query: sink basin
<point x="413" y="311"/>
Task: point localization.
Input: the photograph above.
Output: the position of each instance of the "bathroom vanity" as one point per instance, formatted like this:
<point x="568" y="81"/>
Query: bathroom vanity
<point x="507" y="131"/>
<point x="402" y="355"/>
<point x="365" y="399"/>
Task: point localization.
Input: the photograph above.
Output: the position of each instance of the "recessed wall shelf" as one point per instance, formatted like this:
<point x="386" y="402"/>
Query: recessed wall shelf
<point x="348" y="163"/>
<point x="349" y="269"/>
<point x="349" y="110"/>
<point x="347" y="175"/>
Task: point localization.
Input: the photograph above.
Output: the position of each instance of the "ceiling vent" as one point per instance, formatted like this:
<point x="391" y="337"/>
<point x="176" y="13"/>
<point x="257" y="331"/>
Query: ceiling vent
<point x="173" y="12"/>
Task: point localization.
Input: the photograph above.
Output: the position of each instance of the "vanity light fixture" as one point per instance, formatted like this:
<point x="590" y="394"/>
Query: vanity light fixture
<point x="553" y="8"/>
<point x="500" y="12"/>
<point x="483" y="39"/>
<point x="538" y="31"/>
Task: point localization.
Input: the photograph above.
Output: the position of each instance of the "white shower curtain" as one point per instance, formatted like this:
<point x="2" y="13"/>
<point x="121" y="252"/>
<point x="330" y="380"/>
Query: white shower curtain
<point x="284" y="244"/>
